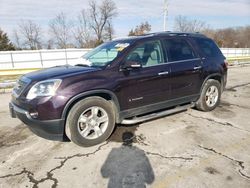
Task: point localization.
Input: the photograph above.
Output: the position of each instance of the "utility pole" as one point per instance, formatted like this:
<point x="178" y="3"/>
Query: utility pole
<point x="165" y="9"/>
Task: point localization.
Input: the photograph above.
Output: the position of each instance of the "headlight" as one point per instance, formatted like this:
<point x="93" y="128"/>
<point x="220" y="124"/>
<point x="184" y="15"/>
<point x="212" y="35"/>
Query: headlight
<point x="44" y="88"/>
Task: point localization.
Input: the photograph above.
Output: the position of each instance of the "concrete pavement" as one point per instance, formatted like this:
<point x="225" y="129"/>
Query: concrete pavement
<point x="188" y="149"/>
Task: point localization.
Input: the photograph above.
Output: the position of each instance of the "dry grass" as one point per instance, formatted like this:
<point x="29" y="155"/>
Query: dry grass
<point x="238" y="60"/>
<point x="9" y="77"/>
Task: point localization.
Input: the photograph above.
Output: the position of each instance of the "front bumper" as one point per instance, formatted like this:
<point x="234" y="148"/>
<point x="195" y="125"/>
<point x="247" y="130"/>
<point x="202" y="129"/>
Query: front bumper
<point x="49" y="129"/>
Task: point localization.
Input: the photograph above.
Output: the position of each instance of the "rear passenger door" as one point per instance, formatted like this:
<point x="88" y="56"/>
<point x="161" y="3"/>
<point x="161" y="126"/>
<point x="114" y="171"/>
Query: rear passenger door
<point x="186" y="69"/>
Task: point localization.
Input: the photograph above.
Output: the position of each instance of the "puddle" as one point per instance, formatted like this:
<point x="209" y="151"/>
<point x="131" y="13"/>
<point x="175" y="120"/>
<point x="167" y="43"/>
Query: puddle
<point x="13" y="136"/>
<point x="117" y="135"/>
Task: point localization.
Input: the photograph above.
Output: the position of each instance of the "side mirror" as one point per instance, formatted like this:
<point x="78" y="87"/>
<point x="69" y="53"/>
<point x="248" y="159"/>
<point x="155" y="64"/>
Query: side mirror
<point x="130" y="65"/>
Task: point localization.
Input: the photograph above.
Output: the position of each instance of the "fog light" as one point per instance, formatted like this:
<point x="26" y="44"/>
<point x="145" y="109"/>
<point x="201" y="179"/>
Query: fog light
<point x="34" y="114"/>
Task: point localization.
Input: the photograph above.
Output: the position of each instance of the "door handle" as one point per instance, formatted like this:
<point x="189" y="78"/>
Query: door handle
<point x="197" y="67"/>
<point x="163" y="73"/>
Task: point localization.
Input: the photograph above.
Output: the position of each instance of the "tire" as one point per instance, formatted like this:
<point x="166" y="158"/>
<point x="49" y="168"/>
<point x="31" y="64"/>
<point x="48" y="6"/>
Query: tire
<point x="90" y="121"/>
<point x="210" y="96"/>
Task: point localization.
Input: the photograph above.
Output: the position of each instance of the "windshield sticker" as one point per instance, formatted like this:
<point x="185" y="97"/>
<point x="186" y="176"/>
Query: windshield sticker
<point x="121" y="46"/>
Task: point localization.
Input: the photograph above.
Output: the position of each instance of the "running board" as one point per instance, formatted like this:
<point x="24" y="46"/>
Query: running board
<point x="156" y="115"/>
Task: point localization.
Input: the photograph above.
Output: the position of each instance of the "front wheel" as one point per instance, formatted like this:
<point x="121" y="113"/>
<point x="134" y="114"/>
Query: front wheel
<point x="210" y="96"/>
<point x="90" y="121"/>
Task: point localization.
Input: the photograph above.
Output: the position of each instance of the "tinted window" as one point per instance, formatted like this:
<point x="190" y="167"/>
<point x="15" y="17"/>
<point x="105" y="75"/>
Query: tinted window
<point x="148" y="54"/>
<point x="179" y="49"/>
<point x="208" y="47"/>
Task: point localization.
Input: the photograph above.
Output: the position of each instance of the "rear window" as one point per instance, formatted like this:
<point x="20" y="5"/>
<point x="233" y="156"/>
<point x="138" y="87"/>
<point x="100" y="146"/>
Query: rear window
<point x="208" y="47"/>
<point x="178" y="49"/>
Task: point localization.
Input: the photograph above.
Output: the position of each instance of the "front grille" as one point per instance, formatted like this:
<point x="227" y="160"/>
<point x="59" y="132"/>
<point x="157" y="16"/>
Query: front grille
<point x="21" y="84"/>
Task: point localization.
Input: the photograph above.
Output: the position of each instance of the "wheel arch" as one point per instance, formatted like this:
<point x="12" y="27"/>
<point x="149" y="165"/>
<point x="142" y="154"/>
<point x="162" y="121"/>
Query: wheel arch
<point x="215" y="76"/>
<point x="105" y="94"/>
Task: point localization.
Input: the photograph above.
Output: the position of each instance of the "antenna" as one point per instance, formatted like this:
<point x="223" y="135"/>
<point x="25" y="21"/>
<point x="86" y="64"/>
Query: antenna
<point x="165" y="9"/>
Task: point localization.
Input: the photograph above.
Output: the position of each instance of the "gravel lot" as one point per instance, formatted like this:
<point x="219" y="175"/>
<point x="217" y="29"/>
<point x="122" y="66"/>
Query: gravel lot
<point x="188" y="149"/>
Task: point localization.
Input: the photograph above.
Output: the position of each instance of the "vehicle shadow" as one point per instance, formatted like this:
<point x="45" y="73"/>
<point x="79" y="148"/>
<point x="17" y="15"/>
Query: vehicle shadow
<point x="127" y="166"/>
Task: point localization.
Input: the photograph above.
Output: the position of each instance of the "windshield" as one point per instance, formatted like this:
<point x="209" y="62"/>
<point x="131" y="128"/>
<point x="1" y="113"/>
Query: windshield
<point x="104" y="54"/>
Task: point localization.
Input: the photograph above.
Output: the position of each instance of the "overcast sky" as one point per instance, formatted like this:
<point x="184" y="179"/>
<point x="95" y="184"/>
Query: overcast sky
<point x="216" y="13"/>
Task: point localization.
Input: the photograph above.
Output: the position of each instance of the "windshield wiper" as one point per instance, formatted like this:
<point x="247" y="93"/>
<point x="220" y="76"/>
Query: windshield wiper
<point x="82" y="65"/>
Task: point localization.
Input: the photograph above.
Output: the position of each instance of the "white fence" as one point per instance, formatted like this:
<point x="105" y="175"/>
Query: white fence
<point x="235" y="52"/>
<point x="49" y="58"/>
<point x="39" y="58"/>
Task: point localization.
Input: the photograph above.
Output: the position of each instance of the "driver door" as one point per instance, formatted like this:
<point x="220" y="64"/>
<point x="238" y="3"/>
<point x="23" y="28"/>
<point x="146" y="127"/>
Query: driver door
<point x="146" y="85"/>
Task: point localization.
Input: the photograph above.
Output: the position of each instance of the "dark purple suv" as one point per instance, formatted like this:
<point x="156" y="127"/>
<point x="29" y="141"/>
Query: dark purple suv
<point x="124" y="81"/>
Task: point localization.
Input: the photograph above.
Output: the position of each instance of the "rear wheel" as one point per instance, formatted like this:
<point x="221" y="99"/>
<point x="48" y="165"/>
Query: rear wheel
<point x="210" y="96"/>
<point x="90" y="121"/>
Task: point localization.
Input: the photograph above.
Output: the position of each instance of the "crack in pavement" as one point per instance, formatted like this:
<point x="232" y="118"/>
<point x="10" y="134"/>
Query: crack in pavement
<point x="224" y="103"/>
<point x="9" y="145"/>
<point x="140" y="139"/>
<point x="237" y="86"/>
<point x="49" y="174"/>
<point x="239" y="163"/>
<point x="168" y="157"/>
<point x="65" y="159"/>
<point x="24" y="171"/>
<point x="239" y="106"/>
<point x="31" y="178"/>
<point x="218" y="122"/>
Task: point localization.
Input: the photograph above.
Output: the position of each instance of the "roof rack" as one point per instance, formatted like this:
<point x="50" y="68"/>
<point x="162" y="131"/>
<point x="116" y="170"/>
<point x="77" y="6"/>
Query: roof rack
<point x="163" y="33"/>
<point x="170" y="33"/>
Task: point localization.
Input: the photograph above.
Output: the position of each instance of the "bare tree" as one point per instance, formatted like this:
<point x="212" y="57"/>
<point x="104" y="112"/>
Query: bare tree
<point x="100" y="16"/>
<point x="141" y="29"/>
<point x="17" y="40"/>
<point x="243" y="37"/>
<point x="230" y="37"/>
<point x="50" y="44"/>
<point x="31" y="34"/>
<point x="95" y="23"/>
<point x="109" y="31"/>
<point x="183" y="24"/>
<point x="246" y="37"/>
<point x="83" y="34"/>
<point x="60" y="28"/>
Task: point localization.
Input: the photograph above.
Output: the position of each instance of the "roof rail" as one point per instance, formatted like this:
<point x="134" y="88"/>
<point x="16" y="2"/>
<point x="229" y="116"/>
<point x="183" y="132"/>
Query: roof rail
<point x="164" y="33"/>
<point x="170" y="33"/>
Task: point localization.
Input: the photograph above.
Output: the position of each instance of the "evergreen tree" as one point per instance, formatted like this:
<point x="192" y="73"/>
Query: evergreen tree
<point x="5" y="43"/>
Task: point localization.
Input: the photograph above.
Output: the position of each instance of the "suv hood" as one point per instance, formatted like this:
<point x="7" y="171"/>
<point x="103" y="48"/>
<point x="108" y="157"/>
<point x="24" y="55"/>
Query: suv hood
<point x="57" y="72"/>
